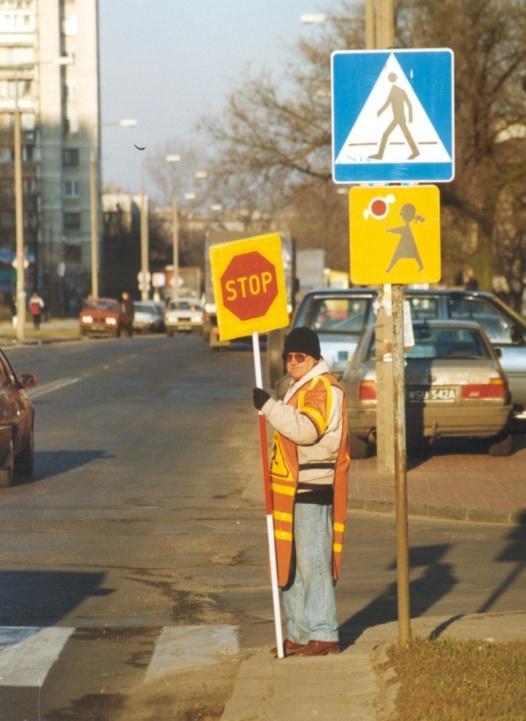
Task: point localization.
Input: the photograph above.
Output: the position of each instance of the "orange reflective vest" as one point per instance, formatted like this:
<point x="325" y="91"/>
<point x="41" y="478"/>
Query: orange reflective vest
<point x="314" y="399"/>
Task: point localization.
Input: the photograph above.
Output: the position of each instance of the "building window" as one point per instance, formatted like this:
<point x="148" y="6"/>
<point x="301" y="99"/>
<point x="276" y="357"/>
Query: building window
<point x="71" y="157"/>
<point x="71" y="189"/>
<point x="71" y="221"/>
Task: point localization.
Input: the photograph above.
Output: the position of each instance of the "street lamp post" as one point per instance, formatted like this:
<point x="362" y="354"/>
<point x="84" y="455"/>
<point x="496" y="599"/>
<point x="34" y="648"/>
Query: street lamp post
<point x="174" y="158"/>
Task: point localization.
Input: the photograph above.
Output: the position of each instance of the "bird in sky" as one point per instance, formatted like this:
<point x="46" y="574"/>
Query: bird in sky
<point x="140" y="147"/>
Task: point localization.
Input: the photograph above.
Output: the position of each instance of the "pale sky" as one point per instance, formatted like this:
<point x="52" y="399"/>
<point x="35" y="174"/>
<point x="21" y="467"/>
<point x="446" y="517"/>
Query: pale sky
<point x="169" y="62"/>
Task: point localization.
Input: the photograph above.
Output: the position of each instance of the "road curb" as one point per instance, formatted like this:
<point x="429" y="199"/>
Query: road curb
<point x="451" y="513"/>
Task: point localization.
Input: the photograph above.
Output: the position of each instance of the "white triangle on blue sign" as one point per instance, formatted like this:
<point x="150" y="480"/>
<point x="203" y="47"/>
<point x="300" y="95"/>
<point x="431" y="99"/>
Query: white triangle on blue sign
<point x="392" y="126"/>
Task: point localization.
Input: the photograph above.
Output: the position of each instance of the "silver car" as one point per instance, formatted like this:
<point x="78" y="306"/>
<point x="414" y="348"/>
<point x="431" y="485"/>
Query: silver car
<point x="183" y="315"/>
<point x="148" y="316"/>
<point x="455" y="387"/>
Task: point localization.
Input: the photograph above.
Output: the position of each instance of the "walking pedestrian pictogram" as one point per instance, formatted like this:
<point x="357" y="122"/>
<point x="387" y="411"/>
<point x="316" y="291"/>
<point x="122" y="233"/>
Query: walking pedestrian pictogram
<point x="395" y="234"/>
<point x="392" y="115"/>
<point x="398" y="101"/>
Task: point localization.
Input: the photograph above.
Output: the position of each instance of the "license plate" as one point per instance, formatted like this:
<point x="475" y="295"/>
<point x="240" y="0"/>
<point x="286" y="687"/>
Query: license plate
<point x="434" y="395"/>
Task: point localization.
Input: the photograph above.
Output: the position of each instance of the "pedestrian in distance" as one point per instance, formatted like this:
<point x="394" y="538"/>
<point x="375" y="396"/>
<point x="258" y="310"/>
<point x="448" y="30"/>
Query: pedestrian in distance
<point x="308" y="472"/>
<point x="127" y="313"/>
<point x="36" y="307"/>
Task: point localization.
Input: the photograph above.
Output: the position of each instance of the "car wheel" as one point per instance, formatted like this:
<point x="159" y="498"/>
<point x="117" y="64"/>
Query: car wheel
<point x="358" y="448"/>
<point x="25" y="460"/>
<point x="502" y="446"/>
<point x="7" y="471"/>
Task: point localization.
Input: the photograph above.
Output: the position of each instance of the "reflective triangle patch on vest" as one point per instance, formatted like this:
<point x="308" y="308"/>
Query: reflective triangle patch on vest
<point x="278" y="466"/>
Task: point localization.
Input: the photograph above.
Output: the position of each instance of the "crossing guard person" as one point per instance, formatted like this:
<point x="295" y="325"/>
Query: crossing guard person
<point x="308" y="470"/>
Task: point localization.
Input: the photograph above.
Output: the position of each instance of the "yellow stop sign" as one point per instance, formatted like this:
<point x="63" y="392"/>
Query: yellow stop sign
<point x="249" y="286"/>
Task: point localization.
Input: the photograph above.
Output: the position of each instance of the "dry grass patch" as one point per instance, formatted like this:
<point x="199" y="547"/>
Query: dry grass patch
<point x="457" y="680"/>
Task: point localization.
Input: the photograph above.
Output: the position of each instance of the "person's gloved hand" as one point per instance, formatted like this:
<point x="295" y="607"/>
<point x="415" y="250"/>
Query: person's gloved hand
<point x="260" y="397"/>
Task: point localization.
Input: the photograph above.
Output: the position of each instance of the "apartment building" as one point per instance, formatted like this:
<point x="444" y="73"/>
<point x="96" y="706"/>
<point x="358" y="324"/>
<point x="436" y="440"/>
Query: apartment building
<point x="49" y="70"/>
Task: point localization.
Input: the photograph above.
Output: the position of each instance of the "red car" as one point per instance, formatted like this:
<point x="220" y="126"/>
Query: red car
<point x="17" y="417"/>
<point x="101" y="315"/>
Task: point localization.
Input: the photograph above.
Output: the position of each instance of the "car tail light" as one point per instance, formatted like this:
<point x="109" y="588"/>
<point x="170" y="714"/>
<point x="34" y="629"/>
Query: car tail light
<point x="496" y="388"/>
<point x="367" y="391"/>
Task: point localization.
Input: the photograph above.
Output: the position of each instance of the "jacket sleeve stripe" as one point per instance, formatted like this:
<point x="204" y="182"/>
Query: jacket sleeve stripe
<point x="339" y="527"/>
<point x="337" y="547"/>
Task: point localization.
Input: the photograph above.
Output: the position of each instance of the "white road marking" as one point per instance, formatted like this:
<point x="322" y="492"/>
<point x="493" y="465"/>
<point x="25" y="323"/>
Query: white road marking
<point x="28" y="652"/>
<point x="50" y="387"/>
<point x="183" y="647"/>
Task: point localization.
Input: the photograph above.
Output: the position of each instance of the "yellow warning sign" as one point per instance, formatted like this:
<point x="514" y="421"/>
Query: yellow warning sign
<point x="395" y="234"/>
<point x="278" y="466"/>
<point x="249" y="286"/>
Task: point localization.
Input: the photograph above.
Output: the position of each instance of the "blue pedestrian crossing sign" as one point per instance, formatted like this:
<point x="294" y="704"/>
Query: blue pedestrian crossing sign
<point x="392" y="116"/>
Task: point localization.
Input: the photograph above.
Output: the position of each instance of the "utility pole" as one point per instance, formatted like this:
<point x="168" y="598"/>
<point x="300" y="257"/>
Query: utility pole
<point x="94" y="227"/>
<point x="379" y="33"/>
<point x="145" y="275"/>
<point x="390" y="425"/>
<point x="19" y="215"/>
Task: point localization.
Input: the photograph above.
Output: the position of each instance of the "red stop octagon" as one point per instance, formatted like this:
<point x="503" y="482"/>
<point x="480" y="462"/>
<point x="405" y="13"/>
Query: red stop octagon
<point x="249" y="285"/>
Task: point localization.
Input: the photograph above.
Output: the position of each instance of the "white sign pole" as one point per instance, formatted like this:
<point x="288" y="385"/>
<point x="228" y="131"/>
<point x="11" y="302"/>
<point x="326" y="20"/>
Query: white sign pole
<point x="268" y="503"/>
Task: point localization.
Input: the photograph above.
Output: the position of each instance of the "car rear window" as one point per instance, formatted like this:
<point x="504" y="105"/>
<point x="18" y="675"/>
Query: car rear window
<point x="441" y="343"/>
<point x="338" y="315"/>
<point x="461" y="343"/>
<point x="424" y="308"/>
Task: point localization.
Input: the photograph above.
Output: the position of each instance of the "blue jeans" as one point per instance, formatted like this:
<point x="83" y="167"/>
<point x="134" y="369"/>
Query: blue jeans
<point x="309" y="601"/>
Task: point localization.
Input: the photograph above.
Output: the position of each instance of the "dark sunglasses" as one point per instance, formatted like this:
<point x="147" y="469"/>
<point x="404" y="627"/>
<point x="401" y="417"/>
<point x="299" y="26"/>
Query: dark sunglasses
<point x="298" y="357"/>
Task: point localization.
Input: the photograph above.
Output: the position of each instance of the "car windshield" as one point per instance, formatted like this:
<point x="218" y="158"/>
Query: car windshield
<point x="498" y="325"/>
<point x="425" y="308"/>
<point x="141" y="308"/>
<point x="339" y="315"/>
<point x="183" y="305"/>
<point x="101" y="305"/>
<point x="443" y="343"/>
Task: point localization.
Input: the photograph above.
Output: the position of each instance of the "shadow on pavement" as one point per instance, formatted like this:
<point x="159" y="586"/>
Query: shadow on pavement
<point x="457" y="446"/>
<point x="53" y="463"/>
<point x="435" y="583"/>
<point x="514" y="553"/>
<point x="45" y="597"/>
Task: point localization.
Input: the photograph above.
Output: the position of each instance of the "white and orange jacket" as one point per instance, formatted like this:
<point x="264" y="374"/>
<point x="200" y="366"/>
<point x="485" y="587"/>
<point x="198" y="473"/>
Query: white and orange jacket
<point x="310" y="447"/>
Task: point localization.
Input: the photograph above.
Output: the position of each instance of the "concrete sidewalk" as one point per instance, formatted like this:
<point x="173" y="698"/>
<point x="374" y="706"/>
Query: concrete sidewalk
<point x="454" y="482"/>
<point x="346" y="686"/>
<point x="54" y="330"/>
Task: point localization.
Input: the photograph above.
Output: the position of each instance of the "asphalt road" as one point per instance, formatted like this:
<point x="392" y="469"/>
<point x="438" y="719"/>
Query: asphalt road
<point x="133" y="554"/>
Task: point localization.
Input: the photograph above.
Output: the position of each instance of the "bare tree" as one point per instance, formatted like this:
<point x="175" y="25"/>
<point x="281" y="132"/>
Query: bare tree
<point x="487" y="37"/>
<point x="280" y="139"/>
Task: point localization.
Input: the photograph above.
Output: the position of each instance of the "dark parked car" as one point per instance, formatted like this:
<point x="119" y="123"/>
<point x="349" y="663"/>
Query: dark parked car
<point x="16" y="422"/>
<point x="352" y="309"/>
<point x="455" y="387"/>
<point x="101" y="316"/>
